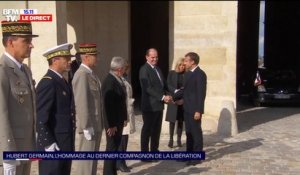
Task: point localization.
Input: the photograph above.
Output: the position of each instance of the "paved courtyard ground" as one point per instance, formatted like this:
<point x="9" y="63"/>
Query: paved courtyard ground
<point x="268" y="143"/>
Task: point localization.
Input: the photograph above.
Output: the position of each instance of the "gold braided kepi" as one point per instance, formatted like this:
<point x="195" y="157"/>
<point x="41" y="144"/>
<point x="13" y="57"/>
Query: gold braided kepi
<point x="17" y="29"/>
<point x="62" y="50"/>
<point x="88" y="48"/>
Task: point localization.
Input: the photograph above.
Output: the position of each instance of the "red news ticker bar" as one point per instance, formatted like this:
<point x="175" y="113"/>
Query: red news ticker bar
<point x="35" y="159"/>
<point x="36" y="18"/>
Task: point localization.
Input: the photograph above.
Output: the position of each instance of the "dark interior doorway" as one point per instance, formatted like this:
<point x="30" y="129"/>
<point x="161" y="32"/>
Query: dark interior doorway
<point x="282" y="39"/>
<point x="149" y="28"/>
<point x="281" y="44"/>
<point x="247" y="45"/>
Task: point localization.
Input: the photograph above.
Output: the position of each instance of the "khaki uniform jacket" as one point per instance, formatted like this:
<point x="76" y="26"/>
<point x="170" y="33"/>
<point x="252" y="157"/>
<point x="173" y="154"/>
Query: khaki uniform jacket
<point x="17" y="108"/>
<point x="88" y="100"/>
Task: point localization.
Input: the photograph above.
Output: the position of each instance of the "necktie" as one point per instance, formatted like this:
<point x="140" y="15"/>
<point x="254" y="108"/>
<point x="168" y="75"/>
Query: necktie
<point x="97" y="79"/>
<point x="123" y="85"/>
<point x="158" y="76"/>
<point x="23" y="70"/>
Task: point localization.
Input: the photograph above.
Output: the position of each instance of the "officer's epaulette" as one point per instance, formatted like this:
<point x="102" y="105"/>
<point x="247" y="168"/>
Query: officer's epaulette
<point x="47" y="77"/>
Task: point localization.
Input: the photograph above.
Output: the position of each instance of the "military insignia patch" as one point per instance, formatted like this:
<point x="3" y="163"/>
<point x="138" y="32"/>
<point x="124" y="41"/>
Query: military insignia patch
<point x="21" y="100"/>
<point x="47" y="77"/>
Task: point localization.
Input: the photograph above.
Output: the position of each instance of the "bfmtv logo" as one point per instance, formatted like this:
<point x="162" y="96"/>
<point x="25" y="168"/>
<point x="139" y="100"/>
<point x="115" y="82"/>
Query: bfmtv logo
<point x="11" y="18"/>
<point x="25" y="15"/>
<point x="10" y="14"/>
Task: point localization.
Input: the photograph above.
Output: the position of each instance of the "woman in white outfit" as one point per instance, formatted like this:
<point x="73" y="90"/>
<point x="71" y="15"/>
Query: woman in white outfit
<point x="130" y="128"/>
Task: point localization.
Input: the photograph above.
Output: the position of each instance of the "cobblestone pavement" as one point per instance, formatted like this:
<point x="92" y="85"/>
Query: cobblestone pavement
<point x="268" y="143"/>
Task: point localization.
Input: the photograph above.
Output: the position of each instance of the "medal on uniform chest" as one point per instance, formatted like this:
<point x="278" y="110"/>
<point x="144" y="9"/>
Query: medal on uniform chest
<point x="21" y="100"/>
<point x="18" y="83"/>
<point x="64" y="93"/>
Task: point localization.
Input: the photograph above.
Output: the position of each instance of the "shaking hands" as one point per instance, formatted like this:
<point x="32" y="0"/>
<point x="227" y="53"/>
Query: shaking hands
<point x="168" y="99"/>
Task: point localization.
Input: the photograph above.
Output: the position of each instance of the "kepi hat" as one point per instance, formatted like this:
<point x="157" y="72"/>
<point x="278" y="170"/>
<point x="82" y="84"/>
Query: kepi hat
<point x="58" y="51"/>
<point x="88" y="48"/>
<point x="17" y="28"/>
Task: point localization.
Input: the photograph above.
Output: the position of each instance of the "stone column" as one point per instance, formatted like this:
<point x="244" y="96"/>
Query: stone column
<point x="208" y="28"/>
<point x="48" y="35"/>
<point x="105" y="23"/>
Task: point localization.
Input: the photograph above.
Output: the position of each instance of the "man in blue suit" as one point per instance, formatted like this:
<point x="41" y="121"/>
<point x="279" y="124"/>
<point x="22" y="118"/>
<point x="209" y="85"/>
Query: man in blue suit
<point x="55" y="111"/>
<point x="194" y="97"/>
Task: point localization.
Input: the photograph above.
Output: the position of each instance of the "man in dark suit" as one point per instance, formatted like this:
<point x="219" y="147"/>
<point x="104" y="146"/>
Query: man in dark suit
<point x="115" y="110"/>
<point x="55" y="111"/>
<point x="153" y="97"/>
<point x="194" y="97"/>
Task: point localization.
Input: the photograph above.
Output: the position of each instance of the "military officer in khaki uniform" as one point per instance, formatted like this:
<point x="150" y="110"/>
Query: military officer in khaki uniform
<point x="55" y="111"/>
<point x="17" y="96"/>
<point x="88" y="102"/>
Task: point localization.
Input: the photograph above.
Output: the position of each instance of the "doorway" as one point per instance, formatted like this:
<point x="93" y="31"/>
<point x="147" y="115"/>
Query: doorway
<point x="247" y="46"/>
<point x="149" y="28"/>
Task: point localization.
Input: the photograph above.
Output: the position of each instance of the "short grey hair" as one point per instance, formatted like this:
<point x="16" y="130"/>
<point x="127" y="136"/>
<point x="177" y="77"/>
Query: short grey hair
<point x="117" y="63"/>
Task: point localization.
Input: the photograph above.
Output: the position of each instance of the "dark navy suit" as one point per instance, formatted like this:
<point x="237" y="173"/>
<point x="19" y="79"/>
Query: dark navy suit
<point x="194" y="97"/>
<point x="115" y="114"/>
<point x="153" y="90"/>
<point x="55" y="121"/>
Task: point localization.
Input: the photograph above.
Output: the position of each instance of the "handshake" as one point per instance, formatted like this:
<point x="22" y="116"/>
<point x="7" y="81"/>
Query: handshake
<point x="177" y="98"/>
<point x="168" y="99"/>
<point x="178" y="94"/>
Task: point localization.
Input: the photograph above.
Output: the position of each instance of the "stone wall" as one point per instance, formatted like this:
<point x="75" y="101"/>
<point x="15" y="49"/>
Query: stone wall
<point x="104" y="23"/>
<point x="101" y="22"/>
<point x="209" y="29"/>
<point x="206" y="27"/>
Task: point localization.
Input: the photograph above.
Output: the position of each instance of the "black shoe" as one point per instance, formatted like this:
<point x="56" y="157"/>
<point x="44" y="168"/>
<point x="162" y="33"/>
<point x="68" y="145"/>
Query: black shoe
<point x="193" y="162"/>
<point x="179" y="143"/>
<point x="123" y="168"/>
<point x="170" y="145"/>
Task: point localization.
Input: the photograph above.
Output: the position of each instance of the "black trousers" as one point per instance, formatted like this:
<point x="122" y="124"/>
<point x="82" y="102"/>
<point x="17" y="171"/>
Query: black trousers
<point x="194" y="136"/>
<point x="151" y="131"/>
<point x="65" y="142"/>
<point x="112" y="145"/>
<point x="123" y="148"/>
<point x="55" y="167"/>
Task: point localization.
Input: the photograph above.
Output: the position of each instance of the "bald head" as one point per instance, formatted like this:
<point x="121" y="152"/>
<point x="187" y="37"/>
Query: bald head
<point x="152" y="56"/>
